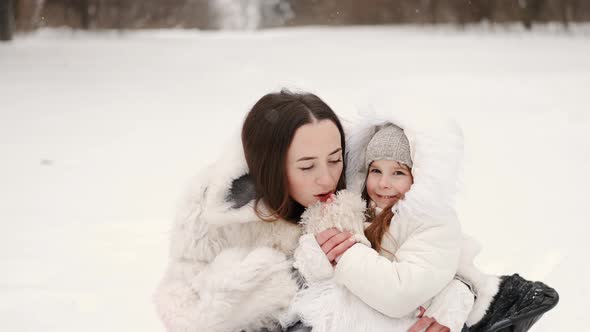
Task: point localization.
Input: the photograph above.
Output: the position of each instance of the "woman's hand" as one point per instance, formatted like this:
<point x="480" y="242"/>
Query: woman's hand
<point x="449" y="308"/>
<point x="428" y="323"/>
<point x="334" y="243"/>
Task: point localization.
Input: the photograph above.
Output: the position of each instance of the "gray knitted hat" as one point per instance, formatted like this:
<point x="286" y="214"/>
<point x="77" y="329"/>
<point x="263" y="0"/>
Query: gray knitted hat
<point x="389" y="143"/>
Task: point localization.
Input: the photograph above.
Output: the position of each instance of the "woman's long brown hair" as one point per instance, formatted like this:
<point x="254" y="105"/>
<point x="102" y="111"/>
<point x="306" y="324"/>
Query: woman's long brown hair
<point x="267" y="133"/>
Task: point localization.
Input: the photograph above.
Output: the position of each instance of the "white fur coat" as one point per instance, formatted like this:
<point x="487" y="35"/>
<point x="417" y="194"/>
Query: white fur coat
<point x="227" y="270"/>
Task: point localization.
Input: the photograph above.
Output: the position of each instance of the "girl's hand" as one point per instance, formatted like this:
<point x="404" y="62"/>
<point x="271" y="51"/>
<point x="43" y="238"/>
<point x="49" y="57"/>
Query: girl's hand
<point x="334" y="243"/>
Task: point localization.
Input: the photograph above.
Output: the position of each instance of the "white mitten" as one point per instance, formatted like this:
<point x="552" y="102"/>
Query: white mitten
<point x="452" y="306"/>
<point x="346" y="212"/>
<point x="311" y="261"/>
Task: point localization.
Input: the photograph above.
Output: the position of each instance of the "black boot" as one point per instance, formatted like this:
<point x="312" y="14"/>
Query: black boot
<point x="518" y="305"/>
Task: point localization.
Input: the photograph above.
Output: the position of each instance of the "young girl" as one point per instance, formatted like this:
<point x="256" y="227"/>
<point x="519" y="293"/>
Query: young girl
<point x="412" y="228"/>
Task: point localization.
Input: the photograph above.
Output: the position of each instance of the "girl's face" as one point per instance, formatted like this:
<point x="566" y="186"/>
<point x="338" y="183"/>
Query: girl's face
<point x="314" y="162"/>
<point x="387" y="182"/>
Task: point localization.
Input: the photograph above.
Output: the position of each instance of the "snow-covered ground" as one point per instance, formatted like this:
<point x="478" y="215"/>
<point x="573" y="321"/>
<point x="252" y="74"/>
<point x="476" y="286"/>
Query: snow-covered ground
<point x="99" y="133"/>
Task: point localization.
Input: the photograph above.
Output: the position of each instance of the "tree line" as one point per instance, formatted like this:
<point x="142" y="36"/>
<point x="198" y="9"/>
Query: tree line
<point x="26" y="15"/>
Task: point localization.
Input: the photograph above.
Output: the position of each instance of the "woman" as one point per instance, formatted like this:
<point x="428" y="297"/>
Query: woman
<point x="229" y="267"/>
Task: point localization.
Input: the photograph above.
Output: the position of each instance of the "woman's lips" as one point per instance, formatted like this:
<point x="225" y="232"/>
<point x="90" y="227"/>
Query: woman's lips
<point x="324" y="197"/>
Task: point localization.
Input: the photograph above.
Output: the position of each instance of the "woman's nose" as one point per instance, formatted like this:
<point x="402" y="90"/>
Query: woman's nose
<point x="324" y="179"/>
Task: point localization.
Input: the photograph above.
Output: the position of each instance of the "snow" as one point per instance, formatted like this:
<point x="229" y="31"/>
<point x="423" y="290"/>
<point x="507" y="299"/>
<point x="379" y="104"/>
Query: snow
<point x="100" y="131"/>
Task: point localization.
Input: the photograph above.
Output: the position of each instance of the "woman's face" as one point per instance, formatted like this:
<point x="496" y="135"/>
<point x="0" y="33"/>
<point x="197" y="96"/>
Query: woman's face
<point x="388" y="181"/>
<point x="314" y="162"/>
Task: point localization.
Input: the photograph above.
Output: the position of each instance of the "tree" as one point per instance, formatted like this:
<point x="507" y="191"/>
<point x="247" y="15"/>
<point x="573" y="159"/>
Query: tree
<point x="530" y="10"/>
<point x="28" y="13"/>
<point x="6" y="19"/>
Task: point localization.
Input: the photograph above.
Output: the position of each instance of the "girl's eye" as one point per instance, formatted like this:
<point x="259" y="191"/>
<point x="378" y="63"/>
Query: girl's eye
<point x="335" y="161"/>
<point x="374" y="170"/>
<point x="399" y="173"/>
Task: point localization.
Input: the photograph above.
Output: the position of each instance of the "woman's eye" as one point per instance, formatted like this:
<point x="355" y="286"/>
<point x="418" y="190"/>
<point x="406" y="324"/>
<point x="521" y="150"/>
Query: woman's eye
<point x="374" y="170"/>
<point x="399" y="173"/>
<point x="335" y="161"/>
<point x="306" y="168"/>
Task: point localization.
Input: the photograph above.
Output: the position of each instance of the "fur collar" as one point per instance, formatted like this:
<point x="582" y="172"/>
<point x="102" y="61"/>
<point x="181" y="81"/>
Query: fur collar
<point x="227" y="190"/>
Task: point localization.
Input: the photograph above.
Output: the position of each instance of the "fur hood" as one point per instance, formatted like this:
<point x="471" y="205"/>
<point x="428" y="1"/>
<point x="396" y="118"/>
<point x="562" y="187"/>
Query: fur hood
<point x="229" y="192"/>
<point x="436" y="149"/>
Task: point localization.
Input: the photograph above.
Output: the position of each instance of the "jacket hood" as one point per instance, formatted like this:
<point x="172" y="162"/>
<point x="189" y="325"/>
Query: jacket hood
<point x="436" y="149"/>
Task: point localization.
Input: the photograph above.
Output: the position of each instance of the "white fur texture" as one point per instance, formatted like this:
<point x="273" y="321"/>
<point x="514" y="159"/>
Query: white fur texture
<point x="311" y="261"/>
<point x="323" y="304"/>
<point x="485" y="285"/>
<point x="329" y="307"/>
<point x="346" y="213"/>
<point x="227" y="270"/>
